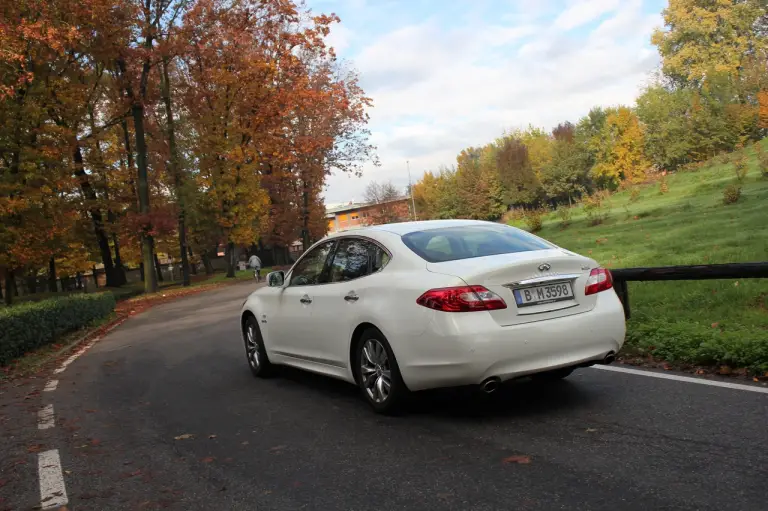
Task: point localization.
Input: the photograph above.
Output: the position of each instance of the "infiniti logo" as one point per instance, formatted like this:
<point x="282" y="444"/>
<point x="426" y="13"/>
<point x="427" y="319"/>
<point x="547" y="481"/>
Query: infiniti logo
<point x="544" y="267"/>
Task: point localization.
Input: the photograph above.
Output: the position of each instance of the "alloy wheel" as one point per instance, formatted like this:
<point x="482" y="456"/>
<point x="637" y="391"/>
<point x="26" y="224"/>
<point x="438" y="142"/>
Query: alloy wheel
<point x="252" y="347"/>
<point x="375" y="371"/>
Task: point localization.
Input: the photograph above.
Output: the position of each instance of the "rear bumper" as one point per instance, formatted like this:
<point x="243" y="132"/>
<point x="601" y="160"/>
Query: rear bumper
<point x="465" y="349"/>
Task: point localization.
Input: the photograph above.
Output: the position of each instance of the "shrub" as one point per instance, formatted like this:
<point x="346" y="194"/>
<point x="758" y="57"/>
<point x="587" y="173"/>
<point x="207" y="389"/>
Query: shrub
<point x="663" y="185"/>
<point x="533" y="220"/>
<point x="731" y="194"/>
<point x="723" y="158"/>
<point x="740" y="168"/>
<point x="28" y="326"/>
<point x="694" y="343"/>
<point x="762" y="159"/>
<point x="564" y="214"/>
<point x="597" y="207"/>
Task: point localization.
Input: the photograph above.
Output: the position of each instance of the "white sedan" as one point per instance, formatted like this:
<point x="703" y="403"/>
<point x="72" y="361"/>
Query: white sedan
<point x="411" y="306"/>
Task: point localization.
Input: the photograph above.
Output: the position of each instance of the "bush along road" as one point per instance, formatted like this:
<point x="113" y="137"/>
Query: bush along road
<point x="163" y="414"/>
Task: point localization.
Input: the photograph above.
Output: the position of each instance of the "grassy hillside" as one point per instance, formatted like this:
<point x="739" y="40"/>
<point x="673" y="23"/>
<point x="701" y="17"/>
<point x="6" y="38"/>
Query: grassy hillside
<point x="716" y="322"/>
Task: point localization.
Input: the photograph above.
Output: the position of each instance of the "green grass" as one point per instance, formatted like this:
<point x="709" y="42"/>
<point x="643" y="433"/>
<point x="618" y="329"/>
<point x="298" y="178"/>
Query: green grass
<point x="692" y="322"/>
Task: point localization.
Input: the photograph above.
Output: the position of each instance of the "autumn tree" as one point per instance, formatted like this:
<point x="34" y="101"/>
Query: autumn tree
<point x="702" y="37"/>
<point x="566" y="177"/>
<point x="620" y="153"/>
<point x="516" y="172"/>
<point x="479" y="192"/>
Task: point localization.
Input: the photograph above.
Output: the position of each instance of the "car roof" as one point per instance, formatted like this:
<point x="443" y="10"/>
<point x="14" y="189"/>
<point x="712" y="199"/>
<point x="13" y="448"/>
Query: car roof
<point x="403" y="228"/>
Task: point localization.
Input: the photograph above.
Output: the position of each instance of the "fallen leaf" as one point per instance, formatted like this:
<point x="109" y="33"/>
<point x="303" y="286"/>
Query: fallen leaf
<point x="755" y="379"/>
<point x="591" y="430"/>
<point x="245" y="443"/>
<point x="94" y="441"/>
<point x="736" y="283"/>
<point x="211" y="436"/>
<point x="700" y="371"/>
<point x="208" y="459"/>
<point x="715" y="325"/>
<point x="135" y="473"/>
<point x="67" y="472"/>
<point x="185" y="436"/>
<point x="34" y="448"/>
<point x="520" y="459"/>
<point x="725" y="370"/>
<point x="277" y="448"/>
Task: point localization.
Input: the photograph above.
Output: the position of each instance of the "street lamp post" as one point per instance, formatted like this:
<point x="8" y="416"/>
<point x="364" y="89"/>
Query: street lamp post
<point x="410" y="188"/>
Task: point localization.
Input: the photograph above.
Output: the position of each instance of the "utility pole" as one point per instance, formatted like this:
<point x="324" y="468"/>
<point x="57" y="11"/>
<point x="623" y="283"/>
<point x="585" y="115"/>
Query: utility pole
<point x="410" y="188"/>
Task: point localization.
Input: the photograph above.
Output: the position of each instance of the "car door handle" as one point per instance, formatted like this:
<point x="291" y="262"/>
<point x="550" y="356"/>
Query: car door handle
<point x="306" y="299"/>
<point x="351" y="297"/>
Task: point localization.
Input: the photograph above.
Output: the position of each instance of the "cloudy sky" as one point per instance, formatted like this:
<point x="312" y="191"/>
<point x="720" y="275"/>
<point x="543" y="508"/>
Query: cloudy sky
<point x="447" y="74"/>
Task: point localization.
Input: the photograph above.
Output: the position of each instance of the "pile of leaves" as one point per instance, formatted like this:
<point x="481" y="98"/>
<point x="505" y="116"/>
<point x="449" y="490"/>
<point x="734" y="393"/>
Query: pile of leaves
<point x="29" y="326"/>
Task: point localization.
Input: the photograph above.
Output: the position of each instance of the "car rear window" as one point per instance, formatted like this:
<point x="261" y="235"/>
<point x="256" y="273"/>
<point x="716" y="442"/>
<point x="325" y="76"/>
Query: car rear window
<point x="465" y="242"/>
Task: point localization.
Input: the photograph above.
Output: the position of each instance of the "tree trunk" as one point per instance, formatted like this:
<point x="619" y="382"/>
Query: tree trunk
<point x="129" y="159"/>
<point x="147" y="243"/>
<point x="158" y="269"/>
<point x="141" y="270"/>
<point x="230" y="258"/>
<point x="207" y="262"/>
<point x="192" y="267"/>
<point x="119" y="270"/>
<point x="137" y="112"/>
<point x="52" y="275"/>
<point x="31" y="284"/>
<point x="175" y="168"/>
<point x="96" y="217"/>
<point x="10" y="287"/>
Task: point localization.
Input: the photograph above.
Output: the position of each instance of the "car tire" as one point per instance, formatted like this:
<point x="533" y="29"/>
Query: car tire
<point x="255" y="352"/>
<point x="374" y="360"/>
<point x="554" y="375"/>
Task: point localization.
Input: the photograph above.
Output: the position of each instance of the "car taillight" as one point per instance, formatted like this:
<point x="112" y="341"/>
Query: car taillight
<point x="461" y="299"/>
<point x="599" y="279"/>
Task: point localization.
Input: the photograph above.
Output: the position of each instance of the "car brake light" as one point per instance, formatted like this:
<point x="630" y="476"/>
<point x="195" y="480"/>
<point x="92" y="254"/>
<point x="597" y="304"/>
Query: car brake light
<point x="599" y="279"/>
<point x="461" y="299"/>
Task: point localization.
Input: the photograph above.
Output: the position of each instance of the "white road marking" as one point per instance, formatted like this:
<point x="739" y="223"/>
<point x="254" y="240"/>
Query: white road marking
<point x="73" y="357"/>
<point x="45" y="418"/>
<point x="51" y="385"/>
<point x="687" y="379"/>
<point x="53" y="492"/>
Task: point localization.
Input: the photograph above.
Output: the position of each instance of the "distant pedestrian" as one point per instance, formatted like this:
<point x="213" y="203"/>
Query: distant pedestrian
<point x="255" y="263"/>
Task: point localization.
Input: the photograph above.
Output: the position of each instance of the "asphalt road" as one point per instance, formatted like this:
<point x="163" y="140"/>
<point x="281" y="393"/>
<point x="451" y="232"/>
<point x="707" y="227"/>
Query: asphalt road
<point x="599" y="440"/>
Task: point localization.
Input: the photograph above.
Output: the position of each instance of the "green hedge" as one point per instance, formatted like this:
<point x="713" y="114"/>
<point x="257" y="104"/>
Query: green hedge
<point x="28" y="326"/>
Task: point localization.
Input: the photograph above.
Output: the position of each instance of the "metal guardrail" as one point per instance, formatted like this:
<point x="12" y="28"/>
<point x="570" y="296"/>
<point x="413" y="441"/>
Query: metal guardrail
<point x="696" y="272"/>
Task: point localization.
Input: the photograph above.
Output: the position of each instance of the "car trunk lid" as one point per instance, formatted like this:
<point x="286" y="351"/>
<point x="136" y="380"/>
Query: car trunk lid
<point x="554" y="280"/>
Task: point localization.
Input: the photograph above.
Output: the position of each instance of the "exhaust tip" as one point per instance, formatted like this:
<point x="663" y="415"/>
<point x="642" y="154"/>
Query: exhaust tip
<point x="609" y="358"/>
<point x="490" y="385"/>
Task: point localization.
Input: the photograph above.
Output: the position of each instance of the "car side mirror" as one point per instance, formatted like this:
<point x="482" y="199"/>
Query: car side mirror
<point x="276" y="279"/>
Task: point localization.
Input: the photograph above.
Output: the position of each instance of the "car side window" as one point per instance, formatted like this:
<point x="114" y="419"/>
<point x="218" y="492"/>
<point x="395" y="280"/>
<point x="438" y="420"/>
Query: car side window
<point x="380" y="258"/>
<point x="309" y="271"/>
<point x="351" y="260"/>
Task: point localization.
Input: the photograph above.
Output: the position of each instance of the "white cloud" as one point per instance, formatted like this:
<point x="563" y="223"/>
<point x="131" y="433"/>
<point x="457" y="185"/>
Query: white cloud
<point x="340" y="37"/>
<point x="438" y="90"/>
<point x="583" y="12"/>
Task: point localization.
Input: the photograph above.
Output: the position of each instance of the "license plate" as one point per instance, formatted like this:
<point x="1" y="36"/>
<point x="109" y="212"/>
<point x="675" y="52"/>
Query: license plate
<point x="540" y="295"/>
